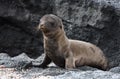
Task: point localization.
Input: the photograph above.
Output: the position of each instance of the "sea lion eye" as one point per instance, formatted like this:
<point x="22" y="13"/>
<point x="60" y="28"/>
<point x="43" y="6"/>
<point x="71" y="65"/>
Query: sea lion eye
<point x="51" y="23"/>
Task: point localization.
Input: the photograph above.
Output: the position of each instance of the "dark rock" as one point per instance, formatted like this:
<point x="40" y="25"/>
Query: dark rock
<point x="95" y="21"/>
<point x="18" y="26"/>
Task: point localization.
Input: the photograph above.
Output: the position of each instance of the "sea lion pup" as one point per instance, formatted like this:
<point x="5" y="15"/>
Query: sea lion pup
<point x="64" y="52"/>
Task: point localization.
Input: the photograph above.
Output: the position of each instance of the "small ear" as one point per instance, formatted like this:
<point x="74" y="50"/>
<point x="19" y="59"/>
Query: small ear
<point x="60" y="26"/>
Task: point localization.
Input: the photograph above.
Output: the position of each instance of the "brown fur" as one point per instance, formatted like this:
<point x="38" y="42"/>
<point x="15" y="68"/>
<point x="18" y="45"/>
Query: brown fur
<point x="65" y="52"/>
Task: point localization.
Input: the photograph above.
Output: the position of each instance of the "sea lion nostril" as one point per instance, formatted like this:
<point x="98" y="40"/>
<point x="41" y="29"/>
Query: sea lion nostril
<point x="41" y="26"/>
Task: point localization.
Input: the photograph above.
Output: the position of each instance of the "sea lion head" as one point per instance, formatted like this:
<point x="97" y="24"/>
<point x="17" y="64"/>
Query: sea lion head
<point x="50" y="25"/>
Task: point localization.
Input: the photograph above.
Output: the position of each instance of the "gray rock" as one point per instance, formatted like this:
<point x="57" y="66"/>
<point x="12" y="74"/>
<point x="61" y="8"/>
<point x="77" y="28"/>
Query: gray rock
<point x="88" y="75"/>
<point x="4" y="56"/>
<point x="115" y="70"/>
<point x="36" y="73"/>
<point x="95" y="21"/>
<point x="14" y="62"/>
<point x="22" y="57"/>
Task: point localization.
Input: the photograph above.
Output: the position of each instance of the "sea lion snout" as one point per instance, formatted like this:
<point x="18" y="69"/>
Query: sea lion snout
<point x="41" y="27"/>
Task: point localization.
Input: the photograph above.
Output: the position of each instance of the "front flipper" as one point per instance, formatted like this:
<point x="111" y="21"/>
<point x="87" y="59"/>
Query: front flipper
<point x="69" y="61"/>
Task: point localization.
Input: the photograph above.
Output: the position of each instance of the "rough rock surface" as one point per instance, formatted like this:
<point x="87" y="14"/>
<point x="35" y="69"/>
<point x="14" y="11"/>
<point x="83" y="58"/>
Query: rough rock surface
<point x="95" y="21"/>
<point x="18" y="26"/>
<point x="15" y="70"/>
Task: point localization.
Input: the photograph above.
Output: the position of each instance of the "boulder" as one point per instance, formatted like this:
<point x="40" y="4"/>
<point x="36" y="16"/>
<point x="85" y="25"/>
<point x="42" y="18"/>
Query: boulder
<point x="95" y="21"/>
<point x="18" y="26"/>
